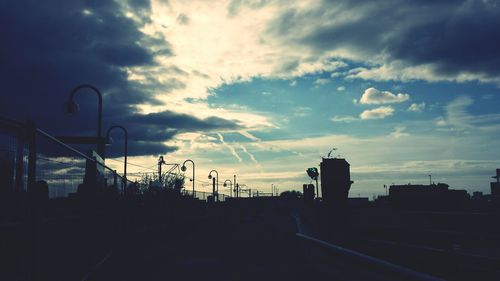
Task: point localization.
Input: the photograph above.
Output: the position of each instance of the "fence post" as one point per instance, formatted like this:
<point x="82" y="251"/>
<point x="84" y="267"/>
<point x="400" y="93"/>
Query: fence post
<point x="115" y="180"/>
<point x="21" y="143"/>
<point x="33" y="225"/>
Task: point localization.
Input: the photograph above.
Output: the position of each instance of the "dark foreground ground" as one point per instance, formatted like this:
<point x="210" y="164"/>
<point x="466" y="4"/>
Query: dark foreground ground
<point x="248" y="245"/>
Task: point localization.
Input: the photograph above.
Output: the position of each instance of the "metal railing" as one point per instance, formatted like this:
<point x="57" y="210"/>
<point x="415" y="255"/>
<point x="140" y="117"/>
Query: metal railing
<point x="202" y="195"/>
<point x="50" y="234"/>
<point x="347" y="264"/>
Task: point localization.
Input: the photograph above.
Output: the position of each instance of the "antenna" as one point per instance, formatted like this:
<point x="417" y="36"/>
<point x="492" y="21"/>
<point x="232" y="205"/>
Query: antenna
<point x="330" y="153"/>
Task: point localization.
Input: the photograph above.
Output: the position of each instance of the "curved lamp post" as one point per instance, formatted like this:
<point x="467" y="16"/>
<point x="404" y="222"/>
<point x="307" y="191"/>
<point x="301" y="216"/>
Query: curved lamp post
<point x="72" y="107"/>
<point x="230" y="186"/>
<point x="184" y="168"/>
<point x="125" y="154"/>
<point x="216" y="180"/>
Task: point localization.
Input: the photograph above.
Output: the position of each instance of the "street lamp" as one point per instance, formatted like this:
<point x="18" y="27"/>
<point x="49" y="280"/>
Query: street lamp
<point x="231" y="187"/>
<point x="125" y="154"/>
<point x="216" y="179"/>
<point x="183" y="168"/>
<point x="72" y="107"/>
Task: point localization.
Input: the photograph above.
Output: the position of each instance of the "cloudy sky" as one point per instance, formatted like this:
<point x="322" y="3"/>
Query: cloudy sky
<point x="265" y="89"/>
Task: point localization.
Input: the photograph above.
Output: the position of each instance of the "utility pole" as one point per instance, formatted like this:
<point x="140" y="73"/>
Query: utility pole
<point x="430" y="179"/>
<point x="160" y="162"/>
<point x="234" y="186"/>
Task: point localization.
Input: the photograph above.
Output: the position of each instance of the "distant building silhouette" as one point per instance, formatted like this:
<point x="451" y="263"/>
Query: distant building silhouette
<point x="495" y="186"/>
<point x="308" y="192"/>
<point x="434" y="196"/>
<point x="335" y="181"/>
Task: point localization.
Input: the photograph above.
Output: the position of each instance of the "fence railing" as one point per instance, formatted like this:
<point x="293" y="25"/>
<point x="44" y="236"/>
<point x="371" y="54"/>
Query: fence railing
<point x="204" y="196"/>
<point x="66" y="170"/>
<point x="30" y="155"/>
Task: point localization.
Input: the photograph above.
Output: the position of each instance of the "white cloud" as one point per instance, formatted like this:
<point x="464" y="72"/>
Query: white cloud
<point x="416" y="107"/>
<point x="458" y="118"/>
<point x="248" y="135"/>
<point x="377" y="113"/>
<point x="399" y="132"/>
<point x="321" y="81"/>
<point x="230" y="148"/>
<point x="341" y="88"/>
<point x="374" y="96"/>
<point x="345" y="119"/>
<point x="252" y="157"/>
<point x="211" y="49"/>
<point x="240" y="46"/>
<point x="399" y="71"/>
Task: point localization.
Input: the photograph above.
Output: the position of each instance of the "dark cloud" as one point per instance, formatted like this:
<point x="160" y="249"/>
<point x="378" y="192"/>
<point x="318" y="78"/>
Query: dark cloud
<point x="137" y="148"/>
<point x="148" y="132"/>
<point x="183" y="121"/>
<point x="49" y="47"/>
<point x="454" y="36"/>
<point x="467" y="40"/>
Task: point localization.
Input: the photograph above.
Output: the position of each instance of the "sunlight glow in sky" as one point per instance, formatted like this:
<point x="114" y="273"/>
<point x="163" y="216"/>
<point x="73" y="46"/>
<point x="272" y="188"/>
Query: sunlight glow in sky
<point x="403" y="89"/>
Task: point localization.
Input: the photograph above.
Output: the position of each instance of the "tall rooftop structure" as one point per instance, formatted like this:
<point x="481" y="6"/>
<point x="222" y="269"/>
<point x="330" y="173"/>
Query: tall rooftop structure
<point x="495" y="186"/>
<point x="335" y="180"/>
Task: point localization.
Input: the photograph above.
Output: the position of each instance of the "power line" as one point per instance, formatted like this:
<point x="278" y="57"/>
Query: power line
<point x="133" y="164"/>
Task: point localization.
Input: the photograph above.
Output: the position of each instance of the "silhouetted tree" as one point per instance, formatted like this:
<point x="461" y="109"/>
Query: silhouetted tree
<point x="291" y="194"/>
<point x="169" y="181"/>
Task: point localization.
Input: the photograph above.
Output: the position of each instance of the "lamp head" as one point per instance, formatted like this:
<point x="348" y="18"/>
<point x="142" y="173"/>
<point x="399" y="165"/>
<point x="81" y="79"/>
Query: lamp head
<point x="109" y="140"/>
<point x="209" y="177"/>
<point x="71" y="107"/>
<point x="183" y="168"/>
<point x="225" y="184"/>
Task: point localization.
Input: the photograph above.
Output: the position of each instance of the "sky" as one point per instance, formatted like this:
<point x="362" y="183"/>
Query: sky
<point x="264" y="89"/>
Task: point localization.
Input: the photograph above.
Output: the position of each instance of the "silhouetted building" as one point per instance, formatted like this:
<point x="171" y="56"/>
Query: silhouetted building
<point x="477" y="195"/>
<point x="433" y="197"/>
<point x="495" y="186"/>
<point x="335" y="180"/>
<point x="357" y="202"/>
<point x="308" y="191"/>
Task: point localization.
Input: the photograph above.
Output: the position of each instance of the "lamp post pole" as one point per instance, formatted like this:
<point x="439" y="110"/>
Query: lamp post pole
<point x="231" y="187"/>
<point x="72" y="107"/>
<point x="234" y="185"/>
<point x="183" y="168"/>
<point x="216" y="181"/>
<point x="125" y="154"/>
